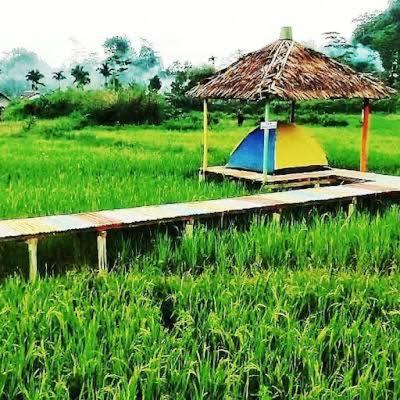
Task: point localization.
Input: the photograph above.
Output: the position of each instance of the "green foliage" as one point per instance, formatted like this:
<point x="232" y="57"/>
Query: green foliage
<point x="185" y="78"/>
<point x="106" y="70"/>
<point x="320" y="119"/>
<point x="155" y="83"/>
<point x="119" y="53"/>
<point x="340" y="106"/>
<point x="34" y="77"/>
<point x="190" y="121"/>
<point x="14" y="66"/>
<point x="81" y="76"/>
<point x="59" y="76"/>
<point x="131" y="105"/>
<point x="357" y="56"/>
<point x="381" y="31"/>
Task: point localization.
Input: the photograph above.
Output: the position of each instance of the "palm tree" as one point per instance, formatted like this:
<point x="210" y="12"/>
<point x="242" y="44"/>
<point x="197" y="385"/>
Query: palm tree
<point x="34" y="76"/>
<point x="106" y="71"/>
<point x="59" y="76"/>
<point x="81" y="77"/>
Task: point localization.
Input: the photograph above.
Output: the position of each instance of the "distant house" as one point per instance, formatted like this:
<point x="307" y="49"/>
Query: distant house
<point x="4" y="101"/>
<point x="30" y="95"/>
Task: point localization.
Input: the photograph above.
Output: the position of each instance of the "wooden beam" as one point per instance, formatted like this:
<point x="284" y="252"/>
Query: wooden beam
<point x="32" y="250"/>
<point x="364" y="136"/>
<point x="205" y="138"/>
<point x="102" y="250"/>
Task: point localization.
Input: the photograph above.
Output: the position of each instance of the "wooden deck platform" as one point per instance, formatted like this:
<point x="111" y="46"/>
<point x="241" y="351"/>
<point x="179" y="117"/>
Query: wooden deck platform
<point x="31" y="229"/>
<point x="327" y="176"/>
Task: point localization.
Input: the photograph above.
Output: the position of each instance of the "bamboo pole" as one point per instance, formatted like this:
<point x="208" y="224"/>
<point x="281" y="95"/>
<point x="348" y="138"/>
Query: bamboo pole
<point x="266" y="141"/>
<point x="102" y="250"/>
<point x="364" y="136"/>
<point x="32" y="250"/>
<point x="205" y="138"/>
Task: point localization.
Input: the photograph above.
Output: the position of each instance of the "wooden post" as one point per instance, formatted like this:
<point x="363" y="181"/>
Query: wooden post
<point x="102" y="250"/>
<point x="352" y="206"/>
<point x="266" y="141"/>
<point x="364" y="136"/>
<point x="32" y="250"/>
<point x="292" y="112"/>
<point x="205" y="139"/>
<point x="189" y="227"/>
<point x="276" y="217"/>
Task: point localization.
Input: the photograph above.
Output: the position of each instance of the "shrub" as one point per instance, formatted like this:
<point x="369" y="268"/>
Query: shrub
<point x="191" y="121"/>
<point x="314" y="118"/>
<point x="339" y="106"/>
<point x="131" y="105"/>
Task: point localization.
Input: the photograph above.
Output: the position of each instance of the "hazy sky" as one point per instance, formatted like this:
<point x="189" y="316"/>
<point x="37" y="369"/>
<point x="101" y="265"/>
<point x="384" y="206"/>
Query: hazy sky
<point x="179" y="29"/>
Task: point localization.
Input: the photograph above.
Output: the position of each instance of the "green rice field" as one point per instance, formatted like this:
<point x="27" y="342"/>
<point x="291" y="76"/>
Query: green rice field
<point x="305" y="309"/>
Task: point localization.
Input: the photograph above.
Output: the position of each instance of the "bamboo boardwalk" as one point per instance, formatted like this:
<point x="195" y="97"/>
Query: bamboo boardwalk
<point x="367" y="185"/>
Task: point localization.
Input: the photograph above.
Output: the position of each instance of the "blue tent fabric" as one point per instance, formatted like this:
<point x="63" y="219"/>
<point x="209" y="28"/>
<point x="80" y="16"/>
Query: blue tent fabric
<point x="248" y="155"/>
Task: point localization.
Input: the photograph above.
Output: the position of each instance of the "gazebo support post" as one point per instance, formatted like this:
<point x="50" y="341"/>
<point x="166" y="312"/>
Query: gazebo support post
<point x="266" y="142"/>
<point x="364" y="136"/>
<point x="205" y="140"/>
<point x="292" y="112"/>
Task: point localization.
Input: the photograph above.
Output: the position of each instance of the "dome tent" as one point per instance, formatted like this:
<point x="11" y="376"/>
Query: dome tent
<point x="290" y="148"/>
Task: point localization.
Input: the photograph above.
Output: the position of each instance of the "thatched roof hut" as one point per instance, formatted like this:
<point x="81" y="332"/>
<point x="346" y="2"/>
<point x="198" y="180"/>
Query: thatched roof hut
<point x="4" y="101"/>
<point x="288" y="70"/>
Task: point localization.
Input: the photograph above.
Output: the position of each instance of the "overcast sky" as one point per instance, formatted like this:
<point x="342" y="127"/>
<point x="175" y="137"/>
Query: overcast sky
<point x="178" y="29"/>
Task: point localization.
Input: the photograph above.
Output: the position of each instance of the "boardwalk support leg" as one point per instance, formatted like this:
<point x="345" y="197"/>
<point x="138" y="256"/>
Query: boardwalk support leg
<point x="102" y="250"/>
<point x="352" y="207"/>
<point x="189" y="227"/>
<point x="276" y="217"/>
<point x="32" y="249"/>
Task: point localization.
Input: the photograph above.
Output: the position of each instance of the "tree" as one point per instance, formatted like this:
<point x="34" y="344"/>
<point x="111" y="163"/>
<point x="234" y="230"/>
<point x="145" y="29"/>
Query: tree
<point x="155" y="83"/>
<point x="147" y="58"/>
<point x="119" y="52"/>
<point x="357" y="56"/>
<point x="186" y="77"/>
<point x="381" y="32"/>
<point x="59" y="76"/>
<point x="34" y="77"/>
<point x="81" y="77"/>
<point x="118" y="46"/>
<point x="106" y="71"/>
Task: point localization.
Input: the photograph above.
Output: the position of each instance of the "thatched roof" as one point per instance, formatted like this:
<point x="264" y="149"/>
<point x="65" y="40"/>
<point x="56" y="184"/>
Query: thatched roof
<point x="287" y="70"/>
